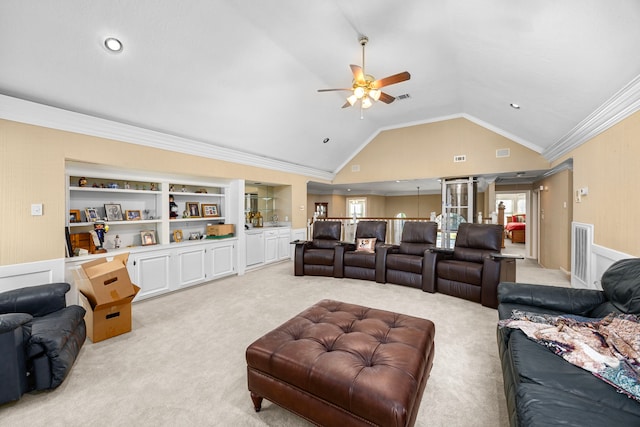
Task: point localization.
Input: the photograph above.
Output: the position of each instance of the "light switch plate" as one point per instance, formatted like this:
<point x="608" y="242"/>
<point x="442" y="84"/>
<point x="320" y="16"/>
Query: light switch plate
<point x="36" y="209"/>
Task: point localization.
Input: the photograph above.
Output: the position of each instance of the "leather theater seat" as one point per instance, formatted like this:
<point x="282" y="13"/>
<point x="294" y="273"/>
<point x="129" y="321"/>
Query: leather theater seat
<point x="405" y="263"/>
<point x="470" y="271"/>
<point x="367" y="265"/>
<point x="318" y="256"/>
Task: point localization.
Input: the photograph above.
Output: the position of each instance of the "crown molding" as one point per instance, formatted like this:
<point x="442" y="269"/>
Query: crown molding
<point x="20" y="110"/>
<point x="620" y="106"/>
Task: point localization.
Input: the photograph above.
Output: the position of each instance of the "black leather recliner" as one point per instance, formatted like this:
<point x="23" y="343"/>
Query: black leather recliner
<point x="470" y="271"/>
<point x="318" y="256"/>
<point x="362" y="265"/>
<point x="404" y="265"/>
<point x="40" y="338"/>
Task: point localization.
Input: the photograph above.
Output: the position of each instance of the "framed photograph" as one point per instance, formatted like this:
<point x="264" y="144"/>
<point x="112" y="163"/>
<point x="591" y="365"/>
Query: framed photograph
<point x="114" y="212"/>
<point x="148" y="237"/>
<point x="209" y="210"/>
<point x="177" y="236"/>
<point x="92" y="214"/>
<point x="194" y="236"/>
<point x="74" y="215"/>
<point x="194" y="209"/>
<point x="133" y="215"/>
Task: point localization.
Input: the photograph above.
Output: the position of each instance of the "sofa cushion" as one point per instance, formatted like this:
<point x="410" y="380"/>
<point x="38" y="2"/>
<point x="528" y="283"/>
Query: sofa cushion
<point x="621" y="285"/>
<point x="402" y="262"/>
<point x="535" y="363"/>
<point x="544" y="406"/>
<point x="360" y="259"/>
<point x="460" y="271"/>
<point x="319" y="256"/>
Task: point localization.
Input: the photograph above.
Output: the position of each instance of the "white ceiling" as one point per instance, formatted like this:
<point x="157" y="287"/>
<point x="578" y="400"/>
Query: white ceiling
<point x="244" y="74"/>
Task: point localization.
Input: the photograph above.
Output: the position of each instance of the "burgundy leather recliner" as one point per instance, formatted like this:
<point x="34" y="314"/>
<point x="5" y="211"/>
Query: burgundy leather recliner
<point x="405" y="263"/>
<point x="318" y="256"/>
<point x="362" y="265"/>
<point x="470" y="271"/>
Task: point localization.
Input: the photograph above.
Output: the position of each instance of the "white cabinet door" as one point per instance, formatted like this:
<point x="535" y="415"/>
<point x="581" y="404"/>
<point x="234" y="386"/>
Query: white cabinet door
<point x="270" y="246"/>
<point x="222" y="259"/>
<point x="190" y="265"/>
<point x="255" y="248"/>
<point x="284" y="244"/>
<point x="150" y="271"/>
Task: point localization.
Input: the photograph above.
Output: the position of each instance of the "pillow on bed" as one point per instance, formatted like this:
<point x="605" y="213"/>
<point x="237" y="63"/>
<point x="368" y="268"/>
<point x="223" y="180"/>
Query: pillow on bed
<point x="366" y="245"/>
<point x="520" y="218"/>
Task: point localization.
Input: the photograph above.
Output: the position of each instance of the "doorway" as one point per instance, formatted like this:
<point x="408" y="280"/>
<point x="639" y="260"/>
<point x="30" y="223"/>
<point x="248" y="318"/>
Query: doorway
<point x="519" y="207"/>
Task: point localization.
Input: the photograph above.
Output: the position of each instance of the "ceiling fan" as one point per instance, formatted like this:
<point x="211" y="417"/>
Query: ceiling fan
<point x="366" y="88"/>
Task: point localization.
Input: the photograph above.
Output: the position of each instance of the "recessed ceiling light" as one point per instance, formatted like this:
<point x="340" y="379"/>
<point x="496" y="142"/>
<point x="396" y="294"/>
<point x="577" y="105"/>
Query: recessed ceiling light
<point x="515" y="106"/>
<point x="112" y="44"/>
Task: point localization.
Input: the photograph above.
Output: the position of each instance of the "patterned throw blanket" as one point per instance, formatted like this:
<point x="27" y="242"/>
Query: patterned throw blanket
<point x="609" y="348"/>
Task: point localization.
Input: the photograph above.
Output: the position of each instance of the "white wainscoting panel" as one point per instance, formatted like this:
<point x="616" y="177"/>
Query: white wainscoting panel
<point x="16" y="276"/>
<point x="602" y="258"/>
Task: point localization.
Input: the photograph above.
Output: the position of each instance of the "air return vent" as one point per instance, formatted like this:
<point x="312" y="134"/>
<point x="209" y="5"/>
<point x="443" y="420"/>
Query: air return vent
<point x="460" y="158"/>
<point x="403" y="96"/>
<point x="503" y="152"/>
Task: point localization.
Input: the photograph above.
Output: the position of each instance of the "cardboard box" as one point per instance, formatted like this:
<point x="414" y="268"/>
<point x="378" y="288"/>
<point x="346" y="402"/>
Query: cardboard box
<point x="220" y="230"/>
<point x="107" y="320"/>
<point x="106" y="293"/>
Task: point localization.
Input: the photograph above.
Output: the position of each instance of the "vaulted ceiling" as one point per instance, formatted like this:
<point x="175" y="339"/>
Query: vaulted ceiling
<point x="243" y="75"/>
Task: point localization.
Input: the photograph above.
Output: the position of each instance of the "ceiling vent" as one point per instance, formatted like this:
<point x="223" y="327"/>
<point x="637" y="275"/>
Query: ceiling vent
<point x="503" y="152"/>
<point x="403" y="96"/>
<point x="460" y="158"/>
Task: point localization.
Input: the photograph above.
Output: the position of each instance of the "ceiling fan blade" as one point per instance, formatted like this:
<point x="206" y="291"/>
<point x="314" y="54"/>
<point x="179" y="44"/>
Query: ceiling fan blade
<point x="396" y="78"/>
<point x="358" y="75"/>
<point x="386" y="98"/>
<point x="332" y="90"/>
<point x="346" y="105"/>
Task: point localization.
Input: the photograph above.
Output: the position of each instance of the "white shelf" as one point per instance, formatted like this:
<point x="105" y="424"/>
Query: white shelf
<point x="113" y="190"/>
<point x="215" y="218"/>
<point x="112" y="223"/>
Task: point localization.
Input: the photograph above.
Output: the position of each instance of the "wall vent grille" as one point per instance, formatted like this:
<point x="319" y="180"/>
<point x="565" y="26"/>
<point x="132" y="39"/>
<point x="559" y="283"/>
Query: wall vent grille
<point x="403" y="96"/>
<point x="460" y="158"/>
<point x="582" y="241"/>
<point x="503" y="152"/>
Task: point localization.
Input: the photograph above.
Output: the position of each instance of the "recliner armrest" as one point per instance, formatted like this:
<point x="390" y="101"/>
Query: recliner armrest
<point x="11" y="321"/>
<point x="36" y="300"/>
<point x="567" y="300"/>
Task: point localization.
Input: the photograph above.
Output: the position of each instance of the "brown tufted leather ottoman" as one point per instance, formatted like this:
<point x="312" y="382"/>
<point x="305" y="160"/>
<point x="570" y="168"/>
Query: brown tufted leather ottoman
<point x="344" y="364"/>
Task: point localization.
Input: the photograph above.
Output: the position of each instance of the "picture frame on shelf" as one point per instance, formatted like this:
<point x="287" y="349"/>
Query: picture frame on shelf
<point x="92" y="214"/>
<point x="194" y="236"/>
<point x="210" y="210"/>
<point x="177" y="236"/>
<point x="148" y="237"/>
<point x="194" y="209"/>
<point x="114" y="212"/>
<point x="75" y="216"/>
<point x="133" y="215"/>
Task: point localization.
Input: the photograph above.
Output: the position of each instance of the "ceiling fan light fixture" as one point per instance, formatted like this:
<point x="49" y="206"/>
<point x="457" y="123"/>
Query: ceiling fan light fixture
<point x="374" y="94"/>
<point x="359" y="92"/>
<point x="352" y="99"/>
<point x="366" y="102"/>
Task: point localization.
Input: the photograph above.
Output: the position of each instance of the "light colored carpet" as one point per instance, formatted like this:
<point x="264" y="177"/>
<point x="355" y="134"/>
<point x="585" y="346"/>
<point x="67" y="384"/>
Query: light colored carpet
<point x="183" y="364"/>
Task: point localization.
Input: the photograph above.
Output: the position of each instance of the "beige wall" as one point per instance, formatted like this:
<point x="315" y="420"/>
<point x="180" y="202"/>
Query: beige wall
<point x="409" y="205"/>
<point x="556" y="213"/>
<point x="32" y="170"/>
<point x="609" y="166"/>
<point x="427" y="151"/>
